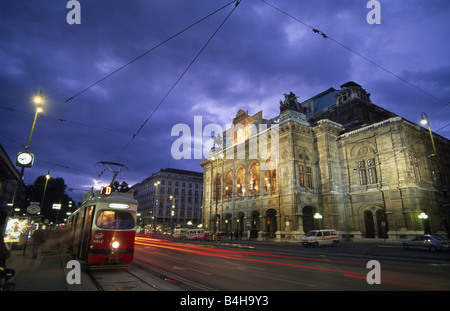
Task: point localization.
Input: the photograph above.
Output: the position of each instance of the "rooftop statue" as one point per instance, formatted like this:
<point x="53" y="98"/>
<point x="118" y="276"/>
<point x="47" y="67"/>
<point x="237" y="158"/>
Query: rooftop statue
<point x="290" y="102"/>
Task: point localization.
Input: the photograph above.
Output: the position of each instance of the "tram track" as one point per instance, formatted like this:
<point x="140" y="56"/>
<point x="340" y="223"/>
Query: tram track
<point x="123" y="279"/>
<point x="170" y="280"/>
<point x="94" y="281"/>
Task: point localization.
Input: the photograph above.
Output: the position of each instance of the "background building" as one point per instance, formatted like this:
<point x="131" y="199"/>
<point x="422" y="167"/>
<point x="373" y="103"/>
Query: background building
<point x="341" y="162"/>
<point x="169" y="199"/>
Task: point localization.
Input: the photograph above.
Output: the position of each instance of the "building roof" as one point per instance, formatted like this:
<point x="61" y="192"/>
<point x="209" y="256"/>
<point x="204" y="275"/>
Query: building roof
<point x="324" y="99"/>
<point x="181" y="172"/>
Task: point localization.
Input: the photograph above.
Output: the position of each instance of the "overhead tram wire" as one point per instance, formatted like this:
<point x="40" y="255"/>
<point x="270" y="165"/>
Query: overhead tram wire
<point x="178" y="80"/>
<point x="356" y="53"/>
<point x="150" y="50"/>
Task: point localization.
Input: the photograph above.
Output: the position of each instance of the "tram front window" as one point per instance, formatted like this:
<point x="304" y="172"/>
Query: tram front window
<point x="115" y="220"/>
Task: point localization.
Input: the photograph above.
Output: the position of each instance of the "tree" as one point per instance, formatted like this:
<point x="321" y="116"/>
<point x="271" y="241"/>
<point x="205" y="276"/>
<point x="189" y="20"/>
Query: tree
<point x="54" y="194"/>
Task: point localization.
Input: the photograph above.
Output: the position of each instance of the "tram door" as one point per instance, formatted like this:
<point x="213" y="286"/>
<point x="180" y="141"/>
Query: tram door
<point x="86" y="231"/>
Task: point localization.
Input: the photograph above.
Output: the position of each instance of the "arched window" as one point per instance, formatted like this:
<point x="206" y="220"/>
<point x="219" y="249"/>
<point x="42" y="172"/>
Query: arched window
<point x="270" y="176"/>
<point x="240" y="181"/>
<point x="367" y="172"/>
<point x="305" y="170"/>
<point x="254" y="178"/>
<point x="228" y="184"/>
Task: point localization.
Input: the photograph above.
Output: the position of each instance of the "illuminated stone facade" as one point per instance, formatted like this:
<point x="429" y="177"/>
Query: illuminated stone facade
<point x="366" y="171"/>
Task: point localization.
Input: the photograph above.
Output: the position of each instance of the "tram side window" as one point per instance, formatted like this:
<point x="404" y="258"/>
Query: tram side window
<point x="115" y="220"/>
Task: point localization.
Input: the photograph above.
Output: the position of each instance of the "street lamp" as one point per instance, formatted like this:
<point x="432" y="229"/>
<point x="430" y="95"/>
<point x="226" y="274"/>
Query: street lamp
<point x="26" y="159"/>
<point x="156" y="184"/>
<point x="47" y="177"/>
<point x="424" y="218"/>
<point x="172" y="212"/>
<point x="318" y="217"/>
<point x="425" y="121"/>
<point x="38" y="102"/>
<point x="218" y="188"/>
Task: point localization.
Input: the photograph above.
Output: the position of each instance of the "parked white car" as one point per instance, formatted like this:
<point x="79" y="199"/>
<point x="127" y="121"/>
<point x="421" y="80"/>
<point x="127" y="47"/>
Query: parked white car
<point x="195" y="234"/>
<point x="321" y="237"/>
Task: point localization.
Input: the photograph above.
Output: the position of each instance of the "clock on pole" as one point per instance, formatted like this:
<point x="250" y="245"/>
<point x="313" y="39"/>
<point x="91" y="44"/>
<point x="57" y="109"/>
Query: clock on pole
<point x="25" y="159"/>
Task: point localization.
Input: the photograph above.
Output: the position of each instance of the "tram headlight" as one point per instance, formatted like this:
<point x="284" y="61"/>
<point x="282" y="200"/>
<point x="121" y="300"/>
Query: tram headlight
<point x="115" y="244"/>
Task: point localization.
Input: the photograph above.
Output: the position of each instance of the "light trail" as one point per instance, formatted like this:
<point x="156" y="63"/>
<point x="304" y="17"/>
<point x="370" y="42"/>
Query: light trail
<point x="240" y="255"/>
<point x="182" y="247"/>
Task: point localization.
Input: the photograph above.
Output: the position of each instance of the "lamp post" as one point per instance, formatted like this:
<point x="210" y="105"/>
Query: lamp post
<point x="425" y="121"/>
<point x="47" y="177"/>
<point x="218" y="188"/>
<point x="172" y="211"/>
<point x="38" y="102"/>
<point x="29" y="162"/>
<point x="440" y="180"/>
<point x="156" y="184"/>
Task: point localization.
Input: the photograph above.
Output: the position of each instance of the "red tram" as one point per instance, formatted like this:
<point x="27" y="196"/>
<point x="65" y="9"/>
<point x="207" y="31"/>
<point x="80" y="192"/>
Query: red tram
<point x="102" y="230"/>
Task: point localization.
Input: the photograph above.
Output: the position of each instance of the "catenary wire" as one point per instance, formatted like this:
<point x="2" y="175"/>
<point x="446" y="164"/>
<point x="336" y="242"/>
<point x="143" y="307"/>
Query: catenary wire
<point x="82" y="124"/>
<point x="148" y="51"/>
<point x="357" y="53"/>
<point x="178" y="80"/>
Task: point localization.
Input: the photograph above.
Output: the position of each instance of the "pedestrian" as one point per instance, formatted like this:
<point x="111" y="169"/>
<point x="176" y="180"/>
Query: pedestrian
<point x="231" y="235"/>
<point x="38" y="238"/>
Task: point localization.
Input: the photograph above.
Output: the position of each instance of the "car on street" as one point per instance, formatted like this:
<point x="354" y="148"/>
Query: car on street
<point x="426" y="241"/>
<point x="321" y="237"/>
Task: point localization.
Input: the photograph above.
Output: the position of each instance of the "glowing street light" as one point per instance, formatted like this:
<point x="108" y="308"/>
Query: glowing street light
<point x="38" y="101"/>
<point x="38" y="98"/>
<point x="423" y="216"/>
<point x="426" y="121"/>
<point x="47" y="177"/>
<point x="318" y="217"/>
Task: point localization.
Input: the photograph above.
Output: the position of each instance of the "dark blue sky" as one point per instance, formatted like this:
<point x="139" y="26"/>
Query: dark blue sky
<point x="258" y="55"/>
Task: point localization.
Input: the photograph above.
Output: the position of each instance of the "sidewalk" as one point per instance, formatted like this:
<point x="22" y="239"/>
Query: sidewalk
<point x="45" y="273"/>
<point x="48" y="272"/>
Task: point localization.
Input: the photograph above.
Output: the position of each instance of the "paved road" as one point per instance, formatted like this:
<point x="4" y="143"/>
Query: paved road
<point x="264" y="267"/>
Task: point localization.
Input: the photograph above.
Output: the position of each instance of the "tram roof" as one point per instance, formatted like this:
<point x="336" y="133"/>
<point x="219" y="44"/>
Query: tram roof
<point x="115" y="196"/>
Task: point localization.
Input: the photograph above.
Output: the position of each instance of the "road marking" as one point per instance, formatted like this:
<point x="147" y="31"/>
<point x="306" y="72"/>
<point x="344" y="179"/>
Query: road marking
<point x="174" y="276"/>
<point x="287" y="281"/>
<point x="192" y="269"/>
